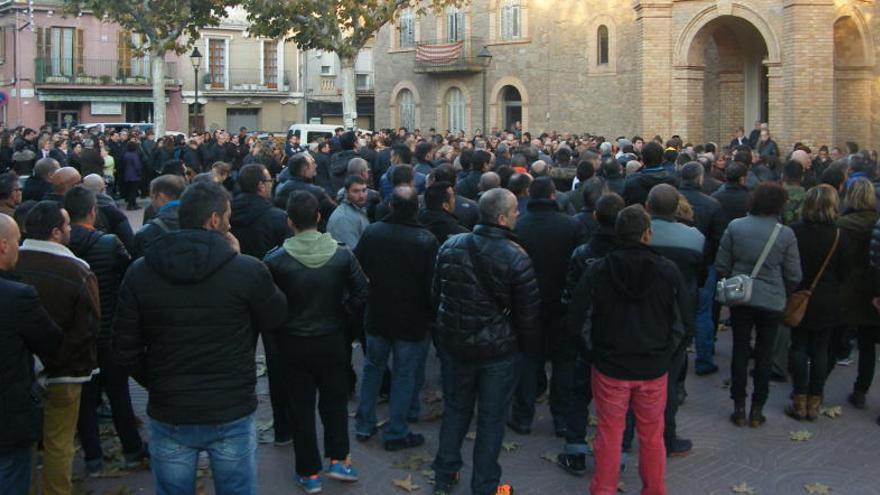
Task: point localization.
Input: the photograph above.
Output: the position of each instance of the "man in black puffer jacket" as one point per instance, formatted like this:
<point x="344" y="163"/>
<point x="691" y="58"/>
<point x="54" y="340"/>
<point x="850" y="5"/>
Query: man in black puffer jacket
<point x="27" y="329"/>
<point x="108" y="259"/>
<point x="549" y="237"/>
<point x="636" y="187"/>
<point x="488" y="313"/>
<point x="302" y="170"/>
<point x="186" y="328"/>
<point x="256" y="223"/>
<point x="339" y="161"/>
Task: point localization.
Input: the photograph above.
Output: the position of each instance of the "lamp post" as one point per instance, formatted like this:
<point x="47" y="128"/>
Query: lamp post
<point x="485" y="57"/>
<point x="196" y="58"/>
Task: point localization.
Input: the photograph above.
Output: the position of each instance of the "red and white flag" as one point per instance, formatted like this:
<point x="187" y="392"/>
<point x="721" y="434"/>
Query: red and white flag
<point x="439" y="54"/>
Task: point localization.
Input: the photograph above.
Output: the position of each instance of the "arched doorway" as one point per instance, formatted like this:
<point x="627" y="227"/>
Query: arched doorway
<point x="723" y="80"/>
<point x="511" y="107"/>
<point x="852" y="85"/>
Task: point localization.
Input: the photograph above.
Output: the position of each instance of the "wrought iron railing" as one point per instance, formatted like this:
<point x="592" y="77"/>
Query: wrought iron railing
<point x="449" y="55"/>
<point x="247" y="80"/>
<point x="98" y="72"/>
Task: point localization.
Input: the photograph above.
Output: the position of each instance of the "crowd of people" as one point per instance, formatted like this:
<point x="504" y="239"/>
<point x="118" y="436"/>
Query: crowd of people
<point x="607" y="259"/>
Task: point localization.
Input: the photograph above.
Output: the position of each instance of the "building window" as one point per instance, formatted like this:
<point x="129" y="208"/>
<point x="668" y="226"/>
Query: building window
<point x="602" y="45"/>
<point x="454" y="24"/>
<point x="270" y="64"/>
<point x="455" y="110"/>
<point x="511" y="19"/>
<point x="328" y="62"/>
<point x="60" y="50"/>
<point x="407" y="29"/>
<point x="130" y="63"/>
<point x="362" y="82"/>
<point x="407" y="107"/>
<point x="217" y="63"/>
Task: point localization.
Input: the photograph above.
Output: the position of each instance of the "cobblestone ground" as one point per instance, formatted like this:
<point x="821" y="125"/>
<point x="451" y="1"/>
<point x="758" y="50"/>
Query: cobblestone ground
<point x="842" y="453"/>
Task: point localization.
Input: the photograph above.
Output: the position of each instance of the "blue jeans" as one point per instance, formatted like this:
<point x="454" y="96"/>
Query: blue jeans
<point x="15" y="472"/>
<point x="407" y="375"/>
<point x="488" y="385"/>
<point x="704" y="340"/>
<point x="231" y="447"/>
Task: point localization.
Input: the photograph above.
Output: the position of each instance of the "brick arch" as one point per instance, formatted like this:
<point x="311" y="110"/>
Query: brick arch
<point x="441" y="104"/>
<point x="853" y="78"/>
<point x="861" y="24"/>
<point x="392" y="103"/>
<point x="684" y="43"/>
<point x="495" y="101"/>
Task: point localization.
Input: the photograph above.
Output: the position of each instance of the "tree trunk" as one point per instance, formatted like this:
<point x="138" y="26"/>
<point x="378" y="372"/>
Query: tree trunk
<point x="157" y="58"/>
<point x="349" y="96"/>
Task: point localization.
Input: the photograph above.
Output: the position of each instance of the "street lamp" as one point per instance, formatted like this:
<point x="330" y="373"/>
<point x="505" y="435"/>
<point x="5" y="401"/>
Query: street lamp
<point x="485" y="57"/>
<point x="196" y="58"/>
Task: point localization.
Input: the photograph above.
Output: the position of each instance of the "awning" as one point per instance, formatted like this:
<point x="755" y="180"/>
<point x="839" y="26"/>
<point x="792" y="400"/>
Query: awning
<point x="96" y="96"/>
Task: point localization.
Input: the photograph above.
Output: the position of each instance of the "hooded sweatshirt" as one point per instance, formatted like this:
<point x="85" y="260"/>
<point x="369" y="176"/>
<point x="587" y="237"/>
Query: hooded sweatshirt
<point x="312" y="249"/>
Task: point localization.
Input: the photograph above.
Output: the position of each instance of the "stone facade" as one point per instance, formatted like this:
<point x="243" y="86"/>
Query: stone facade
<point x="698" y="68"/>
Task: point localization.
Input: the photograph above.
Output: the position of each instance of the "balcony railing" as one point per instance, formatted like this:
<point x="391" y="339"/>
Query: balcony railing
<point x="363" y="83"/>
<point x="444" y="56"/>
<point x="247" y="81"/>
<point x="98" y="72"/>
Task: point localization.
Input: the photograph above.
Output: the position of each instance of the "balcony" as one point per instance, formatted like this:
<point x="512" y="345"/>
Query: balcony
<point x="246" y="81"/>
<point x="449" y="57"/>
<point x="98" y="72"/>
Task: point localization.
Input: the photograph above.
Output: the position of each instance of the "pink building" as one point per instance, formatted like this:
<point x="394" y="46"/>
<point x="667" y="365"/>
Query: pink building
<point x="75" y="69"/>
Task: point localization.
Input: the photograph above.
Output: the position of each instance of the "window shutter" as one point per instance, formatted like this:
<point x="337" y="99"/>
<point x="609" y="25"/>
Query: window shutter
<point x="78" y="48"/>
<point x="123" y="53"/>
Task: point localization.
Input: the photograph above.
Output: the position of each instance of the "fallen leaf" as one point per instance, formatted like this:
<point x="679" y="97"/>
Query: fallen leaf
<point x="549" y="456"/>
<point x="621" y="487"/>
<point x="800" y="436"/>
<point x="111" y="473"/>
<point x="593" y="421"/>
<point x="509" y="446"/>
<point x="405" y="484"/>
<point x="471" y="435"/>
<point x="818" y="489"/>
<point x="414" y="461"/>
<point x="743" y="488"/>
<point x="832" y="412"/>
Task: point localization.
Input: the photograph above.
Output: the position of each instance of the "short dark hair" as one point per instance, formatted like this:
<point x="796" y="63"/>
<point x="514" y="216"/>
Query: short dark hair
<point x="404" y="201"/>
<point x="607" y="208"/>
<point x="519" y="183"/>
<point x="691" y="172"/>
<point x="302" y="210"/>
<point x="8" y="184"/>
<point x="592" y="190"/>
<point x="585" y="170"/>
<point x="662" y="200"/>
<point x="445" y="173"/>
<point x="346" y="140"/>
<point x="402" y="152"/>
<point x="652" y="154"/>
<point x="352" y="180"/>
<point x="793" y="171"/>
<point x="402" y="174"/>
<point x="743" y="156"/>
<point x="176" y="167"/>
<point x="171" y="185"/>
<point x="199" y="201"/>
<point x="833" y="177"/>
<point x="250" y="177"/>
<point x="631" y="223"/>
<point x="436" y="195"/>
<point x="735" y="171"/>
<point x="768" y="199"/>
<point x="78" y="202"/>
<point x="542" y="188"/>
<point x="297" y="163"/>
<point x="422" y="150"/>
<point x="44" y="217"/>
<point x="480" y="158"/>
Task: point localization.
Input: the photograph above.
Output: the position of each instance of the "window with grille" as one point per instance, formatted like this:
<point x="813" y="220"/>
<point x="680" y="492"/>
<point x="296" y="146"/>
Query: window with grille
<point x="602" y="45"/>
<point x="270" y="64"/>
<point x="454" y="24"/>
<point x="328" y="61"/>
<point x="217" y="62"/>
<point x="511" y="19"/>
<point x="407" y="108"/>
<point x="407" y="29"/>
<point x="60" y="50"/>
<point x="455" y="110"/>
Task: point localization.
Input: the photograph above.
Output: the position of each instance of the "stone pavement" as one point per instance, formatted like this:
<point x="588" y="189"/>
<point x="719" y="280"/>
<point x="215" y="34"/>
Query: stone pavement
<point x="842" y="453"/>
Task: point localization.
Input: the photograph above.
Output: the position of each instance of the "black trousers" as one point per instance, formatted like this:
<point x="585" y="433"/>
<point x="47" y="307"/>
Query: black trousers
<point x="316" y="367"/>
<point x="277" y="388"/>
<point x="765" y="323"/>
<point x="867" y="341"/>
<point x="808" y="360"/>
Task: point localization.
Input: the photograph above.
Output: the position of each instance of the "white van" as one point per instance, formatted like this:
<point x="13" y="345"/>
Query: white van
<point x="103" y="127"/>
<point x="309" y="133"/>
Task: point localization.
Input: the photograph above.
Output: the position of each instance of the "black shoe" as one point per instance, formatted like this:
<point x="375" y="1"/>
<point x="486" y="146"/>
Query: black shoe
<point x="521" y="430"/>
<point x="363" y="437"/>
<point x="407" y="442"/>
<point x="738" y="417"/>
<point x="678" y="447"/>
<point x="857" y="399"/>
<point x="575" y="464"/>
<point x="706" y="370"/>
<point x="777" y="377"/>
<point x="412" y="421"/>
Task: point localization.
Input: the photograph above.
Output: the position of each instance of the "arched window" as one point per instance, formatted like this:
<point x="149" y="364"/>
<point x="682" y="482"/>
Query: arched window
<point x="454" y="24"/>
<point x="406" y="107"/>
<point x="455" y="110"/>
<point x="602" y="45"/>
<point x="511" y="19"/>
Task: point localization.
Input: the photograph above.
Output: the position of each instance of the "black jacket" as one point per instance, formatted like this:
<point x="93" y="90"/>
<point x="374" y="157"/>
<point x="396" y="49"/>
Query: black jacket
<point x="734" y="199"/>
<point x="192" y="158"/>
<point x="257" y="224"/>
<point x="627" y="308"/>
<point x="108" y="259"/>
<point x="27" y="330"/>
<point x="488" y="298"/>
<point x="397" y="254"/>
<point x="326" y="205"/>
<point x="602" y="242"/>
<point x="469" y="185"/>
<point x="707" y="217"/>
<point x="814" y="243"/>
<point x="113" y="221"/>
<point x="35" y="188"/>
<point x="549" y="237"/>
<point x="322" y="175"/>
<point x="466" y="211"/>
<point x="339" y="168"/>
<point x="59" y="156"/>
<point x="320" y="300"/>
<point x="636" y="188"/>
<point x="441" y="223"/>
<point x="186" y="327"/>
<point x="587" y="223"/>
<point x="165" y="221"/>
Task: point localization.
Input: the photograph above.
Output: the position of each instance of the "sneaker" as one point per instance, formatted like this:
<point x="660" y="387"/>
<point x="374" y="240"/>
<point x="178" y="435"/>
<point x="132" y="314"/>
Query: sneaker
<point x="706" y="370"/>
<point x="679" y="447"/>
<point x="857" y="399"/>
<point x="342" y="471"/>
<point x="310" y="484"/>
<point x="365" y="437"/>
<point x="410" y="441"/>
<point x="845" y="361"/>
<point x="575" y="464"/>
<point x="441" y="489"/>
<point x="137" y="459"/>
<point x="94" y="467"/>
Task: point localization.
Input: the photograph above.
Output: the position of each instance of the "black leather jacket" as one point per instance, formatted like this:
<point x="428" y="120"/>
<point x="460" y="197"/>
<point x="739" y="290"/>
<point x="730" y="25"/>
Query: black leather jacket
<point x="488" y="296"/>
<point x="257" y="224"/>
<point x="320" y="298"/>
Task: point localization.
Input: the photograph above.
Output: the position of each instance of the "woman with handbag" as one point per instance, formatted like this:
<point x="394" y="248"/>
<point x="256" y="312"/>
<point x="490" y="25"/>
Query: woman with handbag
<point x="762" y="256"/>
<point x="857" y="222"/>
<point x="813" y="311"/>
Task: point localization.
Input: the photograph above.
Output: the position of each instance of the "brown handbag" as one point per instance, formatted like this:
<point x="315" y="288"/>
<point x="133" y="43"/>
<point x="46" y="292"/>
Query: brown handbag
<point x="797" y="303"/>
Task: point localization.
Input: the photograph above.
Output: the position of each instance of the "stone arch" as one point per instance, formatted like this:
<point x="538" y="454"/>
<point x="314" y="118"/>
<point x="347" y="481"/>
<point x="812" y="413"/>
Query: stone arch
<point x="395" y="96"/>
<point x="858" y="19"/>
<point x="683" y="46"/>
<point x="442" y="90"/>
<point x="853" y="77"/>
<point x="495" y="103"/>
<point x="592" y="45"/>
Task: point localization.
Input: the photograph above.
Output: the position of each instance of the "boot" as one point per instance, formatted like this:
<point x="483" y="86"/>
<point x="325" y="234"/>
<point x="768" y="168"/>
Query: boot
<point x="739" y="413"/>
<point x="798" y="407"/>
<point x="813" y="403"/>
<point x="756" y="415"/>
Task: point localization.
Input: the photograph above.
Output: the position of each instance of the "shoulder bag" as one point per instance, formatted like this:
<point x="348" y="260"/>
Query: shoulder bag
<point x="737" y="290"/>
<point x="797" y="303"/>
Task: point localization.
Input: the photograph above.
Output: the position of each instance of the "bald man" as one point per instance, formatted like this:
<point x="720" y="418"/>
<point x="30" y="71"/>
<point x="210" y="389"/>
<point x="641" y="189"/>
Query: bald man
<point x="37" y="185"/>
<point x="27" y="329"/>
<point x="94" y="183"/>
<point x="806" y="162"/>
<point x="64" y="179"/>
